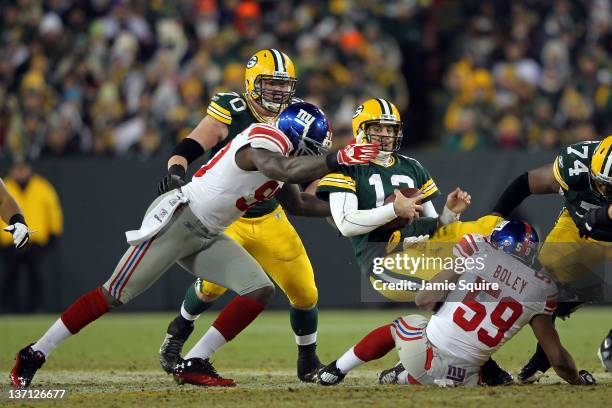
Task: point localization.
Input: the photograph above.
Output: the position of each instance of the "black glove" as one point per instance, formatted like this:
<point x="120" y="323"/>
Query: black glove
<point x="586" y="378"/>
<point x="595" y="218"/>
<point x="174" y="179"/>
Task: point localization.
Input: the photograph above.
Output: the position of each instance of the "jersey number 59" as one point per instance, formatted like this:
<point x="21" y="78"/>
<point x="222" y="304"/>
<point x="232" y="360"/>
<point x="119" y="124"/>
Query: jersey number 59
<point x="480" y="312"/>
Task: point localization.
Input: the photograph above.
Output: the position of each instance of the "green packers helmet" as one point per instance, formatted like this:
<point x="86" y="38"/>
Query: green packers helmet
<point x="271" y="66"/>
<point x="378" y="111"/>
<point x="601" y="167"/>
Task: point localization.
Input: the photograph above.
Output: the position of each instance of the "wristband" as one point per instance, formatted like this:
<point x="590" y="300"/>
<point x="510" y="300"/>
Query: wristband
<point x="448" y="216"/>
<point x="189" y="149"/>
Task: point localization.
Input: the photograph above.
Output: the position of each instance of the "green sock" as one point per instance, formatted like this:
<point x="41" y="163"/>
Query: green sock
<point x="304" y="324"/>
<point x="192" y="303"/>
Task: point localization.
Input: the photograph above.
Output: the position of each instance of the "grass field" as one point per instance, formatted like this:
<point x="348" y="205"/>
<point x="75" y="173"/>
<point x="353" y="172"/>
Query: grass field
<point x="114" y="363"/>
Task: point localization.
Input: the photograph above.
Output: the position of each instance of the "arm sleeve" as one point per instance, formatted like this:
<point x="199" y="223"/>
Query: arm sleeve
<point x="351" y="221"/>
<point x="429" y="210"/>
<point x="266" y="137"/>
<point x="219" y="108"/>
<point x="426" y="183"/>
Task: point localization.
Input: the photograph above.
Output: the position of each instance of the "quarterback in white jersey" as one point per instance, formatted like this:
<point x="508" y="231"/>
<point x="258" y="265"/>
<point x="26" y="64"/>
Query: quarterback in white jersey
<point x="185" y="226"/>
<point x="482" y="308"/>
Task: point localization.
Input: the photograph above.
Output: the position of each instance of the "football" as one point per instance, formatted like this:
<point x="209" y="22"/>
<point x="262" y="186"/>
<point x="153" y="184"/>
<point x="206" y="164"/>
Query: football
<point x="399" y="222"/>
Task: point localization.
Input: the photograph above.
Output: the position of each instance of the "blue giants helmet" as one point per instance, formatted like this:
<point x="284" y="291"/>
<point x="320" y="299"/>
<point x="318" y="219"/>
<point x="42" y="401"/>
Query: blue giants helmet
<point x="307" y="128"/>
<point x="516" y="238"/>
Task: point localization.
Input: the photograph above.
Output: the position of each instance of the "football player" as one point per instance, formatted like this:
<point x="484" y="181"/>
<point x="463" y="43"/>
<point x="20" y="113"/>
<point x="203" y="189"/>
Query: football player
<point x="186" y="225"/>
<point x="264" y="230"/>
<point x="12" y="215"/>
<point x="357" y="195"/>
<point x="582" y="236"/>
<point x="470" y="325"/>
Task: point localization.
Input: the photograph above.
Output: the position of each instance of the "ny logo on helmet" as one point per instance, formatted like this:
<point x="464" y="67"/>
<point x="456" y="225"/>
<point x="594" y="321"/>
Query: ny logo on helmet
<point x="305" y="119"/>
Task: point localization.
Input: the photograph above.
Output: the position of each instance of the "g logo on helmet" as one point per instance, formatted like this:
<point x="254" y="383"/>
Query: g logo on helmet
<point x="252" y="62"/>
<point x="358" y="111"/>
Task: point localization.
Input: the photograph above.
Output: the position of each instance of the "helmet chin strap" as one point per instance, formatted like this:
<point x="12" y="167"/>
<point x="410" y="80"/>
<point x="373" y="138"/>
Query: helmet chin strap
<point x="384" y="159"/>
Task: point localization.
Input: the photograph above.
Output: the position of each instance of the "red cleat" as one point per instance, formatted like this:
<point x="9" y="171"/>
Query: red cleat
<point x="198" y="371"/>
<point x="27" y="363"/>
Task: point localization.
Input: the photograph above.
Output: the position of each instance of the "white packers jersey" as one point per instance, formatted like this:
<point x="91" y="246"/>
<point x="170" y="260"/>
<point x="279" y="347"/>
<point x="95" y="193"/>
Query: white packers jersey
<point x="507" y="294"/>
<point x="220" y="192"/>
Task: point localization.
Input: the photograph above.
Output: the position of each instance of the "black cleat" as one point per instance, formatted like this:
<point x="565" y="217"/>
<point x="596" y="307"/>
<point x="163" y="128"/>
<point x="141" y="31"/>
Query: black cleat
<point x="493" y="375"/>
<point x="198" y="371"/>
<point x="27" y="363"/>
<point x="177" y="334"/>
<point x="535" y="367"/>
<point x="308" y="363"/>
<point x="605" y="352"/>
<point x="389" y="376"/>
<point x="330" y="375"/>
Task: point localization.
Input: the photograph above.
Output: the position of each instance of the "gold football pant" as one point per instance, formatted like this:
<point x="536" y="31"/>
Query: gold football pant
<point x="438" y="247"/>
<point x="274" y="243"/>
<point x="568" y="256"/>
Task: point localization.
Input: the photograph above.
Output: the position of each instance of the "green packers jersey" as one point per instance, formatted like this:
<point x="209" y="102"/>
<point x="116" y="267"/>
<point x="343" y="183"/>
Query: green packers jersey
<point x="572" y="171"/>
<point x="372" y="183"/>
<point x="232" y="109"/>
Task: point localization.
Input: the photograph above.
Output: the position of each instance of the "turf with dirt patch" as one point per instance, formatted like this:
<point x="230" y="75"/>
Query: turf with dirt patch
<point x="114" y="363"/>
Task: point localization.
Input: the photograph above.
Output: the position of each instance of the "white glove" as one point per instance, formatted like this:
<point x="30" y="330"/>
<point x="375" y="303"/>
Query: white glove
<point x="411" y="241"/>
<point x="21" y="234"/>
<point x="444" y="383"/>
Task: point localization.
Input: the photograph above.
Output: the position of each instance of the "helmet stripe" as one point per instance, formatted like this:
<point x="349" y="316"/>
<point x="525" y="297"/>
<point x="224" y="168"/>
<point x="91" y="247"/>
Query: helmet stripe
<point x="608" y="163"/>
<point x="279" y="62"/>
<point x="526" y="240"/>
<point x="384" y="106"/>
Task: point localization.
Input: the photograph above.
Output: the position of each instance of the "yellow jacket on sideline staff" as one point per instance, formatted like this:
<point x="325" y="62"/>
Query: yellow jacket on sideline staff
<point x="41" y="208"/>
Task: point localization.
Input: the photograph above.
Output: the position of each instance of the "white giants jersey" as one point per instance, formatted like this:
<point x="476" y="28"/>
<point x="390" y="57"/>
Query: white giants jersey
<point x="507" y="294"/>
<point x="220" y="192"/>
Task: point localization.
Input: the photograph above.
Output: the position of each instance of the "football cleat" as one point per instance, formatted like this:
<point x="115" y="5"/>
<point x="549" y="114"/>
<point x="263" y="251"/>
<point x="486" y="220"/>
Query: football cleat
<point x="199" y="371"/>
<point x="27" y="363"/>
<point x="170" y="351"/>
<point x="535" y="368"/>
<point x="493" y="375"/>
<point x="330" y="375"/>
<point x="391" y="375"/>
<point x="308" y="365"/>
<point x="605" y="352"/>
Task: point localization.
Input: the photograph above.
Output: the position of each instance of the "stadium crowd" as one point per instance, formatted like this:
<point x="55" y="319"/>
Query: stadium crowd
<point x="119" y="77"/>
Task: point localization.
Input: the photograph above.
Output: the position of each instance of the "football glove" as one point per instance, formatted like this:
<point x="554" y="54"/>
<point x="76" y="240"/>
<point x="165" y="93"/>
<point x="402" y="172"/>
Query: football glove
<point x="174" y="179"/>
<point x="19" y="229"/>
<point x="586" y="378"/>
<point x="595" y="218"/>
<point x="412" y="241"/>
<point x="352" y="154"/>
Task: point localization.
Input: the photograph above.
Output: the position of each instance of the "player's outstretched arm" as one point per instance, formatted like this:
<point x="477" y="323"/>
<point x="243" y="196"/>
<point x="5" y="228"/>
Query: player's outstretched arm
<point x="560" y="359"/>
<point x="301" y="169"/>
<point x="537" y="181"/>
<point x="208" y="133"/>
<point x="302" y="204"/>
<point x="12" y="215"/>
<point x="427" y="299"/>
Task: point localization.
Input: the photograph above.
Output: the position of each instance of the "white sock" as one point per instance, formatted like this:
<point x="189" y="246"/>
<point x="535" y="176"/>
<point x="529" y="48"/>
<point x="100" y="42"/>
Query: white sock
<point x="402" y="378"/>
<point x="348" y="361"/>
<point x="186" y="315"/>
<point x="57" y="333"/>
<point x="306" y="340"/>
<point x="208" y="344"/>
